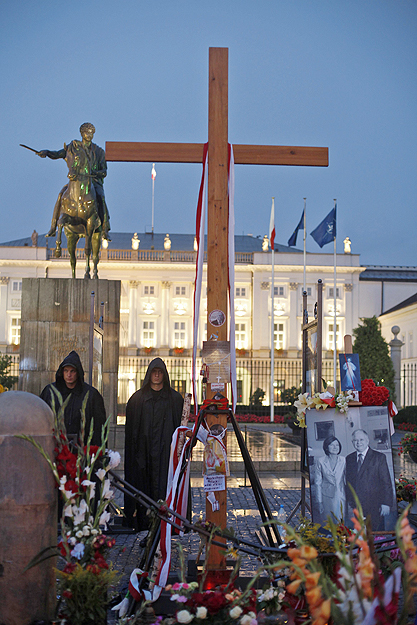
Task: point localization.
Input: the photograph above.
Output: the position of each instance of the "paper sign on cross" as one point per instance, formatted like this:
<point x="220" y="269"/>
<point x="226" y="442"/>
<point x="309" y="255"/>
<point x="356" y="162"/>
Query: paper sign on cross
<point x="217" y="227"/>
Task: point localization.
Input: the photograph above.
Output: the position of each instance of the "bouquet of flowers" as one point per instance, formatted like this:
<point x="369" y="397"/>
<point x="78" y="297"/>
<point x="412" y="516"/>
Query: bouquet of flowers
<point x="80" y="472"/>
<point x="359" y="594"/>
<point x="372" y="395"/>
<point x="408" y="443"/>
<point x="321" y="400"/>
<point x="406" y="489"/>
<point x="224" y="605"/>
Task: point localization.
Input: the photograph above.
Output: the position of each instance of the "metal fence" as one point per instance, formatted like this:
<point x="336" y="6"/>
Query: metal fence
<point x="252" y="374"/>
<point x="409" y="384"/>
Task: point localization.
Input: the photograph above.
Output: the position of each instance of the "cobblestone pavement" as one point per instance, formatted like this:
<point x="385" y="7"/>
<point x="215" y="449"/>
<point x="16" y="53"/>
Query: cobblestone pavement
<point x="242" y="515"/>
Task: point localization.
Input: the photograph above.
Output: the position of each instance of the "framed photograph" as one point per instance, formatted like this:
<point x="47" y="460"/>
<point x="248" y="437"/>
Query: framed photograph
<point x="311" y="365"/>
<point x="350" y="375"/>
<point x="351" y="450"/>
<point x="324" y="429"/>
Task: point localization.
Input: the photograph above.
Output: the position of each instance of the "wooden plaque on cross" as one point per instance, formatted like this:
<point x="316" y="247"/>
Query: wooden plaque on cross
<point x="217" y="235"/>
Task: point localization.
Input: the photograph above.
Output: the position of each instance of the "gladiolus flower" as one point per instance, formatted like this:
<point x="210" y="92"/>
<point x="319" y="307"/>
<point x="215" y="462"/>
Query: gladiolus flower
<point x="293" y="586"/>
<point x="101" y="474"/>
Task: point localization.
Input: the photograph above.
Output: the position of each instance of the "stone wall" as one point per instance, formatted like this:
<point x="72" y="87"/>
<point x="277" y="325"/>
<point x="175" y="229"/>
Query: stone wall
<point x="56" y="320"/>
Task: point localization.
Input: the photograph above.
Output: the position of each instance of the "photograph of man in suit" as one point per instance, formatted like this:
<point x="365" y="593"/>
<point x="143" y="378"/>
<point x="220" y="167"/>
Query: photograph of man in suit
<point x="367" y="471"/>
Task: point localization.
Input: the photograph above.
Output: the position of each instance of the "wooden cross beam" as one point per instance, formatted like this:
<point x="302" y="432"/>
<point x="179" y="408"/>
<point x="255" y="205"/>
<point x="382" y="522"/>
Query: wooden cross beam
<point x="217" y="235"/>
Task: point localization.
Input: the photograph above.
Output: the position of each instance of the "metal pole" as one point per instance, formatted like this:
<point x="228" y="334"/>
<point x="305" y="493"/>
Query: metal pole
<point x="335" y="315"/>
<point x="271" y="396"/>
<point x="91" y="341"/>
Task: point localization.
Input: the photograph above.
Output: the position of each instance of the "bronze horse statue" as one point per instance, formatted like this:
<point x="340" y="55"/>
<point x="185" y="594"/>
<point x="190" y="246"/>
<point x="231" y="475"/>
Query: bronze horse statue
<point x="78" y="215"/>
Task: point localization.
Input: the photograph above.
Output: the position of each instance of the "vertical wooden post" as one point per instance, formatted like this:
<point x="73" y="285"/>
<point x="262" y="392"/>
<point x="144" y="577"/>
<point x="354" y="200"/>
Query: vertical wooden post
<point x="217" y="252"/>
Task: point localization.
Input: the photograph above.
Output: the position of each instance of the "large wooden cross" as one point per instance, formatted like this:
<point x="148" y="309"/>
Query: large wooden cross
<point x="217" y="235"/>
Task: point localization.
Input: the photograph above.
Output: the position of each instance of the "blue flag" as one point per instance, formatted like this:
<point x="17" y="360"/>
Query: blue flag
<point x="293" y="238"/>
<point x="326" y="230"/>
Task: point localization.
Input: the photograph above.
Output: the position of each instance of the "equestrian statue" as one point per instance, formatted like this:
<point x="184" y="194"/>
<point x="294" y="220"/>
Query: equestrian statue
<point x="81" y="208"/>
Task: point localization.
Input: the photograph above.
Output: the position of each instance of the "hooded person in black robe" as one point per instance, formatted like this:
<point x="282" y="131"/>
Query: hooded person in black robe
<point x="74" y="385"/>
<point x="153" y="413"/>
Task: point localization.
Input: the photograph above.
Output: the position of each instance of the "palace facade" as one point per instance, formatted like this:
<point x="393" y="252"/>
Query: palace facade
<point x="157" y="274"/>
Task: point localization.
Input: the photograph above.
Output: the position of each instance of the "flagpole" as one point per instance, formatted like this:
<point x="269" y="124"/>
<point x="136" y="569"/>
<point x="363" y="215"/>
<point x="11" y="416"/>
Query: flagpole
<point x="305" y="239"/>
<point x="153" y="175"/>
<point x="334" y="304"/>
<point x="271" y="402"/>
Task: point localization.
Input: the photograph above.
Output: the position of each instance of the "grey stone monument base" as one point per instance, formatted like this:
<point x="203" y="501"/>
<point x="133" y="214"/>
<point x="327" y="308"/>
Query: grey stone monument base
<point x="56" y="320"/>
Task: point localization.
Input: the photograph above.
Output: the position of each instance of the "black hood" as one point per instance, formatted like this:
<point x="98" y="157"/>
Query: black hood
<point x="72" y="359"/>
<point x="157" y="363"/>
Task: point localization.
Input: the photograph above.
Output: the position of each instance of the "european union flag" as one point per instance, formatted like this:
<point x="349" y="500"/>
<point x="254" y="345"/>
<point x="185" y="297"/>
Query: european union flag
<point x="326" y="230"/>
<point x="293" y="238"/>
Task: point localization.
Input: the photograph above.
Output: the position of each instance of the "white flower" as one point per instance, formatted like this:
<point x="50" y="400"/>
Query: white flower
<point x="107" y="493"/>
<point x="68" y="511"/>
<point x="114" y="459"/>
<point x="303" y="402"/>
<point x="105" y="517"/>
<point x="201" y="612"/>
<point x="79" y="534"/>
<point x="78" y="551"/>
<point x="86" y="530"/>
<point x="72" y="541"/>
<point x="183" y="616"/>
<point x="79" y="512"/>
<point x="246" y="620"/>
<point x="101" y="474"/>
<point x="236" y="611"/>
<point x="122" y="607"/>
<point x="94" y="532"/>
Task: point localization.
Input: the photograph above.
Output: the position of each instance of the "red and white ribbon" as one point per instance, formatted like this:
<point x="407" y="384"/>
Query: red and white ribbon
<point x="231" y="262"/>
<point x="200" y="221"/>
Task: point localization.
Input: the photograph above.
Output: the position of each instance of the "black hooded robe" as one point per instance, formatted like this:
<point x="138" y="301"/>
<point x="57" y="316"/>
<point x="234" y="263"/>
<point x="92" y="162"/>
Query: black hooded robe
<point x="151" y="419"/>
<point x="94" y="411"/>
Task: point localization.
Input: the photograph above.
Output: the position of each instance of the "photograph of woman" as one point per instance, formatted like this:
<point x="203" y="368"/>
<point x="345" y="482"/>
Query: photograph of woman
<point x="330" y="480"/>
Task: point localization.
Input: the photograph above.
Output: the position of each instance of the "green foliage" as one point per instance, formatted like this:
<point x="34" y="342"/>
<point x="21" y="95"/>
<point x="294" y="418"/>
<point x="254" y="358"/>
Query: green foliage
<point x="257" y="397"/>
<point x="6" y="380"/>
<point x="406" y="415"/>
<point x="289" y="395"/>
<point x="374" y="358"/>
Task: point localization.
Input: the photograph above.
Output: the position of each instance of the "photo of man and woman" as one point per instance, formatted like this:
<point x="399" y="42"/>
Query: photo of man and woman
<point x="344" y="452"/>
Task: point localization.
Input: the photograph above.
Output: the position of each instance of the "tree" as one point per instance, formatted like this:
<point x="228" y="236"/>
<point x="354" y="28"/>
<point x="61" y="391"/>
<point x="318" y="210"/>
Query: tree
<point x="257" y="397"/>
<point x="6" y="380"/>
<point x="374" y="359"/>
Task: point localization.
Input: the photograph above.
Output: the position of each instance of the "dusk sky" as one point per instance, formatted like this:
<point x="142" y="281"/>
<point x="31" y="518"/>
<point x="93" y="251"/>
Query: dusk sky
<point x="334" y="73"/>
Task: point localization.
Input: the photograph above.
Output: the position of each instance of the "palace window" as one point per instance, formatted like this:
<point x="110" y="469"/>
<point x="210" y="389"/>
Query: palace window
<point x="330" y="336"/>
<point x="180" y="386"/>
<point x="240" y="291"/>
<point x="331" y="293"/>
<point x="279" y="291"/>
<point x="16" y="285"/>
<point x="148" y="334"/>
<point x="179" y="334"/>
<point x="15" y="331"/>
<point x="149" y="289"/>
<point x="240" y="336"/>
<point x="180" y="291"/>
<point x="279" y="335"/>
<point x="308" y="290"/>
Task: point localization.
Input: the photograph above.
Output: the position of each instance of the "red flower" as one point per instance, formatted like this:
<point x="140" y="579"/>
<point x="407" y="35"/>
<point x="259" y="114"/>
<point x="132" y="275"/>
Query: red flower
<point x="70" y="567"/>
<point x="71" y="467"/>
<point x="71" y="486"/>
<point x="62" y="549"/>
<point x="93" y="450"/>
<point x="67" y="594"/>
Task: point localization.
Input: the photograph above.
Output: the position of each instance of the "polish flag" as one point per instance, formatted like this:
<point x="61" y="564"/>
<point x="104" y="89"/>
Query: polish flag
<point x="153" y="172"/>
<point x="272" y="226"/>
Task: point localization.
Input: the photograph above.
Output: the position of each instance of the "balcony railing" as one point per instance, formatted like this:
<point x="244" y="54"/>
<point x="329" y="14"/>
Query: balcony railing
<point x="146" y="256"/>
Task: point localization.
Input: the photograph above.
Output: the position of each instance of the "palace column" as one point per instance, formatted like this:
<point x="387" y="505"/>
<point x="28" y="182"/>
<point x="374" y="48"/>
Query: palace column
<point x="294" y="328"/>
<point x="133" y="314"/>
<point x="165" y="317"/>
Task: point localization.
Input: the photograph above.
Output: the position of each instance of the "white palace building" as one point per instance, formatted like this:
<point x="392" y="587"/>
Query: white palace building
<point x="157" y="274"/>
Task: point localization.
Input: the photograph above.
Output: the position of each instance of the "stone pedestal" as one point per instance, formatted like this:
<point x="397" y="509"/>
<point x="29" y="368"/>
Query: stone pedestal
<point x="56" y="320"/>
<point x="28" y="510"/>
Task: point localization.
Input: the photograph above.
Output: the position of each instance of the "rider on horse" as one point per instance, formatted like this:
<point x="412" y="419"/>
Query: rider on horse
<point x="97" y="158"/>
